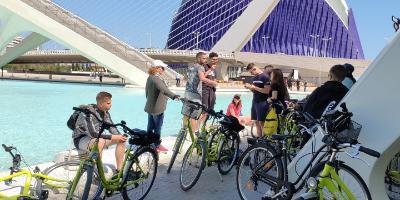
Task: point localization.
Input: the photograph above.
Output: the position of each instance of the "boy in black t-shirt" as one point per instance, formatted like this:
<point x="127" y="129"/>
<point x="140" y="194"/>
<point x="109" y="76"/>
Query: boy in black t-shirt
<point x="260" y="89"/>
<point x="332" y="90"/>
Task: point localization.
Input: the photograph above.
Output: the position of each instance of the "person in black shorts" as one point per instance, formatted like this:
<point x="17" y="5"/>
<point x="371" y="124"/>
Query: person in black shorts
<point x="260" y="87"/>
<point x="208" y="90"/>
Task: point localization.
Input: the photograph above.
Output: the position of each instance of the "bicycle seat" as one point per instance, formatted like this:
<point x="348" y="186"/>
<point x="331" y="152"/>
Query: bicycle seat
<point x="280" y="137"/>
<point x="252" y="141"/>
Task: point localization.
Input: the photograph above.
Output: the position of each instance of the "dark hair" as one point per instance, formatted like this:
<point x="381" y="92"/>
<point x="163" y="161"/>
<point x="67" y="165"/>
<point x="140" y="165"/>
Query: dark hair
<point x="268" y="66"/>
<point x="239" y="103"/>
<point x="279" y="81"/>
<point x="198" y="55"/>
<point x="338" y="72"/>
<point x="212" y="55"/>
<point x="102" y="96"/>
<point x="250" y="66"/>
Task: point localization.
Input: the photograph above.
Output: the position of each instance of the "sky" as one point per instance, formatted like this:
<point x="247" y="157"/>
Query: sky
<point x="145" y="23"/>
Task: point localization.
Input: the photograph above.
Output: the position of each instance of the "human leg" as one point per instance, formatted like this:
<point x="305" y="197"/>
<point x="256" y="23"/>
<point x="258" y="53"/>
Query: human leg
<point x="150" y="123"/>
<point x="261" y="109"/>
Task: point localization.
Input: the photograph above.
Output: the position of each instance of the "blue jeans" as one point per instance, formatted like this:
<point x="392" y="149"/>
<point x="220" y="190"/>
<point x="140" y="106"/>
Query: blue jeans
<point x="155" y="123"/>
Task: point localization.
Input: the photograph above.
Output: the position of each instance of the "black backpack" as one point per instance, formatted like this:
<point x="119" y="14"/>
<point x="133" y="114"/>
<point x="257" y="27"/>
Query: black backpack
<point x="74" y="116"/>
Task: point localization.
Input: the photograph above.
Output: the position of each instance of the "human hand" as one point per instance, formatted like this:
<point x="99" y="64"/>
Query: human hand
<point x="269" y="100"/>
<point x="118" y="138"/>
<point x="213" y="67"/>
<point x="248" y="86"/>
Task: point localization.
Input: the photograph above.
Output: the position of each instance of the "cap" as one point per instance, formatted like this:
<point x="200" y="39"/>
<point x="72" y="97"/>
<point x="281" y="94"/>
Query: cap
<point x="158" y="63"/>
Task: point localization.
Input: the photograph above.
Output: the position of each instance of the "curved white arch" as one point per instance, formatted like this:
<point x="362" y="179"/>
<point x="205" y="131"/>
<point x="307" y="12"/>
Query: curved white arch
<point x="254" y="15"/>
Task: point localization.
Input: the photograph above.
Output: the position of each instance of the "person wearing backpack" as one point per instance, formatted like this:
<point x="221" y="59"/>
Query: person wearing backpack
<point x="87" y="128"/>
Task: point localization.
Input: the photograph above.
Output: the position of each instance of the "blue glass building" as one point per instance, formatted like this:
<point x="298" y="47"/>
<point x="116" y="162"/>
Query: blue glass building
<point x="294" y="27"/>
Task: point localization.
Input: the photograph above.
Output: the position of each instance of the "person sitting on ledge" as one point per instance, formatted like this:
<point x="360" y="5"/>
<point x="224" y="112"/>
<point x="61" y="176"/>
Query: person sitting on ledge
<point x="87" y="128"/>
<point x="332" y="90"/>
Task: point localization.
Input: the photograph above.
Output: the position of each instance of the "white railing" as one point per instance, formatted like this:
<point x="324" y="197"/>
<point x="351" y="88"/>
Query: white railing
<point x="94" y="34"/>
<point x="145" y="51"/>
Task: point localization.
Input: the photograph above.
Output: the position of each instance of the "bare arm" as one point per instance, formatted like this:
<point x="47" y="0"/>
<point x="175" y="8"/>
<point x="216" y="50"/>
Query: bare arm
<point x="274" y="94"/>
<point x="203" y="78"/>
<point x="264" y="90"/>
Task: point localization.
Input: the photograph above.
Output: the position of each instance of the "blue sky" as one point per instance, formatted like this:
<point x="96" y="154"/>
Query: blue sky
<point x="136" y="21"/>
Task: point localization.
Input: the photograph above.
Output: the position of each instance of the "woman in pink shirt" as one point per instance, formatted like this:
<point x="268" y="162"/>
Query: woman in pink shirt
<point x="235" y="107"/>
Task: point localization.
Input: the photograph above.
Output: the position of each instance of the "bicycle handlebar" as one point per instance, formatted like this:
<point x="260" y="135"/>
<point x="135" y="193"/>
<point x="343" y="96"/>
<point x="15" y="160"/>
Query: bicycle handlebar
<point x="365" y="150"/>
<point x="7" y="148"/>
<point x="211" y="112"/>
<point x="370" y="151"/>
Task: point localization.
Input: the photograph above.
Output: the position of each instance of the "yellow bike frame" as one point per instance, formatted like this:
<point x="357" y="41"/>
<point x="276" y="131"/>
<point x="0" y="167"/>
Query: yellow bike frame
<point x="28" y="179"/>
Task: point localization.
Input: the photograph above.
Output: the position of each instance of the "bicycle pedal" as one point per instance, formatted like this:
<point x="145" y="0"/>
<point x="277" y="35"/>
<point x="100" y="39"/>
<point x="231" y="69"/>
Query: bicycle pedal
<point x="44" y="194"/>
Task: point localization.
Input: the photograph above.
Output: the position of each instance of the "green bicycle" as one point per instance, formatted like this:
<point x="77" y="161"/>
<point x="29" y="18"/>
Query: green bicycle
<point x="46" y="185"/>
<point x="263" y="173"/>
<point x="139" y="167"/>
<point x="217" y="145"/>
<point x="392" y="178"/>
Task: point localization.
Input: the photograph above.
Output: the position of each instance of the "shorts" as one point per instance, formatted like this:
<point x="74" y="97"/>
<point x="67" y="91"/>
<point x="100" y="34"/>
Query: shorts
<point x="188" y="110"/>
<point x="85" y="143"/>
<point x="259" y="110"/>
<point x="208" y="97"/>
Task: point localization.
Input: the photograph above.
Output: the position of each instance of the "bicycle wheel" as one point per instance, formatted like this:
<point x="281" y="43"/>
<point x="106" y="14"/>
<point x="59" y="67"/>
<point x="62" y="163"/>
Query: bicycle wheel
<point x="192" y="165"/>
<point x="177" y="147"/>
<point x="393" y="172"/>
<point x="349" y="177"/>
<point x="256" y="161"/>
<point x="84" y="185"/>
<point x="65" y="172"/>
<point x="228" y="150"/>
<point x="140" y="174"/>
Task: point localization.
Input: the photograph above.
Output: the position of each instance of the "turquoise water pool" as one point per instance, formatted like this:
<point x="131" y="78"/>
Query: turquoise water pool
<point x="34" y="115"/>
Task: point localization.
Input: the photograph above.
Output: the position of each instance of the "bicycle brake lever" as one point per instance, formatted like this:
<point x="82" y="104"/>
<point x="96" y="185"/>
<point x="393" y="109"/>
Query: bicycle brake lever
<point x="356" y="153"/>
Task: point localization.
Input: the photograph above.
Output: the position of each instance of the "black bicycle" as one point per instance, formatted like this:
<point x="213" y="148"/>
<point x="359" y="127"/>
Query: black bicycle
<point x="263" y="173"/>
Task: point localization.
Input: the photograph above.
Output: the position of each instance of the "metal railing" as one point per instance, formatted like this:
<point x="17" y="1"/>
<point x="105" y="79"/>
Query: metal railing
<point x="145" y="51"/>
<point x="95" y="34"/>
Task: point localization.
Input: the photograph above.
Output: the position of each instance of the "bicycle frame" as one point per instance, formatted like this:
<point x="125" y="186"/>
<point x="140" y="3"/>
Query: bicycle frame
<point x="329" y="175"/>
<point x="29" y="175"/>
<point x="116" y="182"/>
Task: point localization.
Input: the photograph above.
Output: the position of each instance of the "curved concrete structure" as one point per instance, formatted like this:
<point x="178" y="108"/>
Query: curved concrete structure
<point x="322" y="28"/>
<point x="374" y="101"/>
<point x="44" y="18"/>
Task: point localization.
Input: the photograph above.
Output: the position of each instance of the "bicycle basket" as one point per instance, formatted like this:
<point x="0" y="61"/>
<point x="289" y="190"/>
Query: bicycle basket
<point x="191" y="110"/>
<point x="350" y="134"/>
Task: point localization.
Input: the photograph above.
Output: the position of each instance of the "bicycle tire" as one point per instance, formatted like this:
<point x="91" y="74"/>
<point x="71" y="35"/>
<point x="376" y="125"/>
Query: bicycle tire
<point x="245" y="161"/>
<point x="133" y="174"/>
<point x="393" y="168"/>
<point x="86" y="193"/>
<point x="175" y="150"/>
<point x="198" y="144"/>
<point x="231" y="157"/>
<point x="341" y="167"/>
<point x="65" y="171"/>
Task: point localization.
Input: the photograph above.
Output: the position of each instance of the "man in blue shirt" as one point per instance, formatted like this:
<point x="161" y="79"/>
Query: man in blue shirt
<point x="260" y="87"/>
